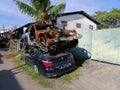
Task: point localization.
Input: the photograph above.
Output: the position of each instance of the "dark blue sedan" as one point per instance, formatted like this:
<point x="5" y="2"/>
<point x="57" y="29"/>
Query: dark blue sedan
<point x="50" y="65"/>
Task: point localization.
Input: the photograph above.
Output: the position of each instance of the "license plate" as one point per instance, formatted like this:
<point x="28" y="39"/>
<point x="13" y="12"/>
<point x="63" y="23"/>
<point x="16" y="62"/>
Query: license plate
<point x="64" y="66"/>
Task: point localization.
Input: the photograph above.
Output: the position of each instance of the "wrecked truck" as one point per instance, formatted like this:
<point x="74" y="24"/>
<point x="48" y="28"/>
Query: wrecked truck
<point x="48" y="37"/>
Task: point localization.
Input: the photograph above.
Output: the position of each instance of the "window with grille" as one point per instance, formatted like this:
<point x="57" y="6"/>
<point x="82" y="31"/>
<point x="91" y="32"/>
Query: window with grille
<point x="78" y="25"/>
<point x="91" y="27"/>
<point x="64" y="23"/>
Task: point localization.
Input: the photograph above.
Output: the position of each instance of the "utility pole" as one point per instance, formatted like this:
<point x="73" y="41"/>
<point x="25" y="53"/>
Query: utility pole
<point x="3" y="27"/>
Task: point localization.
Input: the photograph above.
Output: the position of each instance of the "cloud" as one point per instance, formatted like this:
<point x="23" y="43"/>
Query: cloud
<point x="10" y="9"/>
<point x="79" y="5"/>
<point x="91" y="6"/>
<point x="11" y="15"/>
<point x="71" y="5"/>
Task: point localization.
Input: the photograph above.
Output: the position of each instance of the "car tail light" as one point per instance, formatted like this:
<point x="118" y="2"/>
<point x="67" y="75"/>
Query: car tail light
<point x="47" y="63"/>
<point x="71" y="57"/>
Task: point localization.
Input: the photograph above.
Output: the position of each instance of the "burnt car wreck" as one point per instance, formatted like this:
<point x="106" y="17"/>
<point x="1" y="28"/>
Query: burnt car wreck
<point x="49" y="38"/>
<point x="47" y="48"/>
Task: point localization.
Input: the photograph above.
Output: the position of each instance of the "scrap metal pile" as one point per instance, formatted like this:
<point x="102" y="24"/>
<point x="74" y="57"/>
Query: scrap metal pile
<point x="49" y="38"/>
<point x="4" y="38"/>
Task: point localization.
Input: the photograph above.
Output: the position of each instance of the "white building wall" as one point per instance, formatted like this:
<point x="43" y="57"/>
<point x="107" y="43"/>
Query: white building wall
<point x="76" y="18"/>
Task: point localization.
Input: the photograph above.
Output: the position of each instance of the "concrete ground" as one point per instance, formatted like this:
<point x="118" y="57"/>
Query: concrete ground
<point x="14" y="78"/>
<point x="95" y="76"/>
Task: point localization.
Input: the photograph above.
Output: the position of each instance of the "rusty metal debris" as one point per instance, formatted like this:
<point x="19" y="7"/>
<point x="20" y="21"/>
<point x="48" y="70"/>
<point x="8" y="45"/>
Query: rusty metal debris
<point x="49" y="38"/>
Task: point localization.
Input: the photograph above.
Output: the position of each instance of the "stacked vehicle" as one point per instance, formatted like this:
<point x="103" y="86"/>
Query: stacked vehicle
<point x="47" y="48"/>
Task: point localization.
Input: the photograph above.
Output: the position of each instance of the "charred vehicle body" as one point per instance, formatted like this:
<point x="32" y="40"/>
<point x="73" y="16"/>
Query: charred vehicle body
<point x="49" y="38"/>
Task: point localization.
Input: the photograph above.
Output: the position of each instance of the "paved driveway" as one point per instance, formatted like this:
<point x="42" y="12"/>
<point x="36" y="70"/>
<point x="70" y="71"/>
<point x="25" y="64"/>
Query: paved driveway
<point x="13" y="78"/>
<point x="97" y="76"/>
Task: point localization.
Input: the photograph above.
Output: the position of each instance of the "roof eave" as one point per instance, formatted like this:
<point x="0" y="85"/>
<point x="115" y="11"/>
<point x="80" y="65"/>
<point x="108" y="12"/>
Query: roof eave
<point x="82" y="13"/>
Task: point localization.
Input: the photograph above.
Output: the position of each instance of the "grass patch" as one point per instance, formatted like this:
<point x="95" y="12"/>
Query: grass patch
<point x="74" y="75"/>
<point x="40" y="79"/>
<point x="46" y="82"/>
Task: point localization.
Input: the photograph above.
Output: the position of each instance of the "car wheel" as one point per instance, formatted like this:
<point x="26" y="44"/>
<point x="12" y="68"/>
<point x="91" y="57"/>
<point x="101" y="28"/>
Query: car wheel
<point x="26" y="62"/>
<point x="20" y="44"/>
<point x="36" y="69"/>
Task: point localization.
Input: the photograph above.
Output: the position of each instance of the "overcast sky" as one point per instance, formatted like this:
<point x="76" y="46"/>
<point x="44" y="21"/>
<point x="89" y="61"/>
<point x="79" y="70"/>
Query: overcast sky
<point x="10" y="14"/>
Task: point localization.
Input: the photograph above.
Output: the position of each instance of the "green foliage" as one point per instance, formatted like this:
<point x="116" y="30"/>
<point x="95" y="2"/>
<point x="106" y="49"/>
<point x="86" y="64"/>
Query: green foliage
<point x="40" y="79"/>
<point x="109" y="19"/>
<point x="40" y="9"/>
<point x="25" y="8"/>
<point x="56" y="9"/>
<point x="67" y="78"/>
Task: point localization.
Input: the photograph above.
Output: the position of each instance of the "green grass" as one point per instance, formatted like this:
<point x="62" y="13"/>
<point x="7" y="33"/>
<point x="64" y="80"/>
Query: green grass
<point x="40" y="79"/>
<point x="48" y="82"/>
<point x="74" y="75"/>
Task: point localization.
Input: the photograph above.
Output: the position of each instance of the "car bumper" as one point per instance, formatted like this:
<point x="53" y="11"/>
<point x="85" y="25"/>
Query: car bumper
<point x="56" y="72"/>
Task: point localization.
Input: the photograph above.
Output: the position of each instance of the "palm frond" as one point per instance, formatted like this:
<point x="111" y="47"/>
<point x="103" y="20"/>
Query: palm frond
<point x="40" y="9"/>
<point x="49" y="8"/>
<point x="58" y="8"/>
<point x="36" y="4"/>
<point x="46" y="4"/>
<point x="41" y="5"/>
<point x="25" y="8"/>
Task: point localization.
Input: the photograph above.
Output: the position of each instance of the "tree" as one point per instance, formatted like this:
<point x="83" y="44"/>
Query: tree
<point x="109" y="19"/>
<point x="41" y="9"/>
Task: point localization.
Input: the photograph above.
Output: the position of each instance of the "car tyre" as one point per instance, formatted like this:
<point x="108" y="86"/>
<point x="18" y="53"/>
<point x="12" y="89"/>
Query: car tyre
<point x="36" y="69"/>
<point x="26" y="62"/>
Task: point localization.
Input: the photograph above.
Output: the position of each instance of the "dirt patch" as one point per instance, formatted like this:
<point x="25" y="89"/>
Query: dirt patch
<point x="6" y="55"/>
